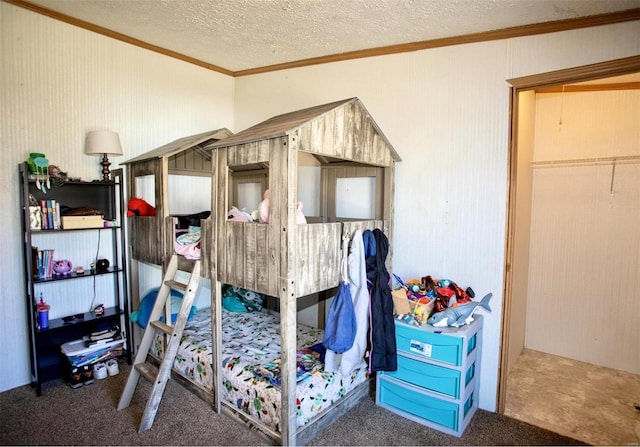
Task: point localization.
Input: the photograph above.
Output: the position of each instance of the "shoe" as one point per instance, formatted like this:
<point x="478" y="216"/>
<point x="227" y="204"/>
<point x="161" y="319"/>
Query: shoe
<point x="100" y="371"/>
<point x="87" y="375"/>
<point x="75" y="380"/>
<point x="112" y="367"/>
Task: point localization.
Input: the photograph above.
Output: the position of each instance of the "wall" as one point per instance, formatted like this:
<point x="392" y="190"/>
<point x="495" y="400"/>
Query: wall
<point x="58" y="82"/>
<point x="520" y="261"/>
<point x="585" y="245"/>
<point x="446" y="111"/>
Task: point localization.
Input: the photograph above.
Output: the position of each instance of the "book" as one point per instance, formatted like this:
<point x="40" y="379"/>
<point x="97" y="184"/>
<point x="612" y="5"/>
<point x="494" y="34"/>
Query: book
<point x="57" y="219"/>
<point x="43" y="206"/>
<point x="45" y="264"/>
<point x="35" y="262"/>
<point x="50" y="214"/>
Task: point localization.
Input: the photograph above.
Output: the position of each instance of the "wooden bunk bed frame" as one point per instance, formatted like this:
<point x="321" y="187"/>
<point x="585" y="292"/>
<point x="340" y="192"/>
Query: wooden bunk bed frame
<point x="151" y="237"/>
<point x="280" y="259"/>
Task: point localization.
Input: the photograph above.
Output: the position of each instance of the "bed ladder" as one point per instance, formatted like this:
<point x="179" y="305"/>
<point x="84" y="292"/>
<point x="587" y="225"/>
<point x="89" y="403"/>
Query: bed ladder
<point x="160" y="376"/>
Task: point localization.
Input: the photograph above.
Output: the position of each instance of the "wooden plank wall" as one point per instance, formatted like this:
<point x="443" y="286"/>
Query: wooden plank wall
<point x="219" y="208"/>
<point x="351" y="227"/>
<point x="318" y="257"/>
<point x="252" y="262"/>
<point x="247" y="255"/>
<point x="146" y="234"/>
<point x="346" y="133"/>
<point x="248" y="153"/>
<point x="192" y="161"/>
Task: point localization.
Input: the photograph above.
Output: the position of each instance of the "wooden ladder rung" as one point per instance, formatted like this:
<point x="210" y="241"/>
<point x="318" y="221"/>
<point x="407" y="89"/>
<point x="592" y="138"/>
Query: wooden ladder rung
<point x="148" y="371"/>
<point x="176" y="285"/>
<point x="160" y="376"/>
<point x="162" y="326"/>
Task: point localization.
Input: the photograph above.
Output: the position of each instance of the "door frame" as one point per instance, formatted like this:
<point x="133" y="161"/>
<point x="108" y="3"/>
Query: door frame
<point x="583" y="73"/>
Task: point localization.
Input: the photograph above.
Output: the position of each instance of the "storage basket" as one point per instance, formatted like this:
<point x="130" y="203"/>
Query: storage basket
<point x="79" y="354"/>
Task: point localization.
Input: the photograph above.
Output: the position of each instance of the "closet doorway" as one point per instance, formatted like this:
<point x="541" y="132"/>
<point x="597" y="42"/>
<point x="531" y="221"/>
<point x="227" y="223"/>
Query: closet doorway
<point x="534" y="180"/>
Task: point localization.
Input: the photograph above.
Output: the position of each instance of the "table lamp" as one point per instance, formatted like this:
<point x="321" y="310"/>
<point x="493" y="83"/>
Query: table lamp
<point x="103" y="142"/>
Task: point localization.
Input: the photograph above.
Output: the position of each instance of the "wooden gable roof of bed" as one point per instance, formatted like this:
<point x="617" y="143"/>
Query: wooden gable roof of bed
<point x="185" y="154"/>
<point x="332" y="132"/>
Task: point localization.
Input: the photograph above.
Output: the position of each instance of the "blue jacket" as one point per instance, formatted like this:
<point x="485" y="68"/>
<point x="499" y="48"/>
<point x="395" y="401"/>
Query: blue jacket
<point x="382" y="327"/>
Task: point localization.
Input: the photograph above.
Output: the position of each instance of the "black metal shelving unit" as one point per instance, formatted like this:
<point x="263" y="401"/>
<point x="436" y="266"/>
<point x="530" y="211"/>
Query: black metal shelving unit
<point x="47" y="360"/>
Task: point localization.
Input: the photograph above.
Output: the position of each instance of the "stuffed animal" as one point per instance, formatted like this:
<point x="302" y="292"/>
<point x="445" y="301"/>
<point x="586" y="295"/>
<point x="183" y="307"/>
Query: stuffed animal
<point x="459" y="315"/>
<point x="62" y="267"/>
<point x="263" y="207"/>
<point x="239" y="215"/>
<point x="300" y="219"/>
<point x="138" y="207"/>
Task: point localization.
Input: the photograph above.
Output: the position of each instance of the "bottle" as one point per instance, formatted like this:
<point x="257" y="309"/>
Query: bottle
<point x="43" y="313"/>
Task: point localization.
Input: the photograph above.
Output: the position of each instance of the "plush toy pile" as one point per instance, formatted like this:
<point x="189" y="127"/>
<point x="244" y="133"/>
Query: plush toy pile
<point x="261" y="215"/>
<point x="429" y="298"/>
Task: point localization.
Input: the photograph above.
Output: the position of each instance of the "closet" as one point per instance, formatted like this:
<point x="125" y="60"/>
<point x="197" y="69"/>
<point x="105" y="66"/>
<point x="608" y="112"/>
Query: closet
<point x="573" y="248"/>
<point x="584" y="250"/>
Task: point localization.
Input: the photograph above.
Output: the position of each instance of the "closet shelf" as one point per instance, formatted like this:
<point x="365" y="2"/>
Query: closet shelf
<point x="587" y="161"/>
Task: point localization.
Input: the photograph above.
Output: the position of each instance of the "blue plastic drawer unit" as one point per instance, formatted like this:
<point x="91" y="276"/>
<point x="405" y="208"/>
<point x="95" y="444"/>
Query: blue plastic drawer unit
<point x="447" y="345"/>
<point x="437" y="381"/>
<point x="432" y="377"/>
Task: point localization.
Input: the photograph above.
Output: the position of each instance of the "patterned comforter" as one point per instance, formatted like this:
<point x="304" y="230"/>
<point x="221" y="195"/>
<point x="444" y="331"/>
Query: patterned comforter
<point x="249" y="341"/>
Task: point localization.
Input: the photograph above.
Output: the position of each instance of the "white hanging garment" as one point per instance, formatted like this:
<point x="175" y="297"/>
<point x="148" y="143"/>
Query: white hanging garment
<point x="357" y="274"/>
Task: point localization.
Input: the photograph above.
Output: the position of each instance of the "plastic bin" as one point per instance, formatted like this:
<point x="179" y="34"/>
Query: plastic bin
<point x="79" y="354"/>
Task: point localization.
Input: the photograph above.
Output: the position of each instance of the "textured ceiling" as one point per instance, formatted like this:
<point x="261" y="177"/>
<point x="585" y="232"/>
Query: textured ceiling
<point x="245" y="34"/>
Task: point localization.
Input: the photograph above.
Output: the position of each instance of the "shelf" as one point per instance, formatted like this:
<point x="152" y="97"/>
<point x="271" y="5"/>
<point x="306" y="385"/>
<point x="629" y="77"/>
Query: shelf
<point x="75" y="275"/>
<point x="31" y="178"/>
<point x="47" y="360"/>
<point x="88" y="318"/>
<point x="62" y="230"/>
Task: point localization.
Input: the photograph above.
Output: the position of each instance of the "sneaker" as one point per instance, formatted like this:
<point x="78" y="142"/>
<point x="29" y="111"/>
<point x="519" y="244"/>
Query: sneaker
<point x="100" y="371"/>
<point x="75" y="380"/>
<point x="112" y="367"/>
<point x="87" y="375"/>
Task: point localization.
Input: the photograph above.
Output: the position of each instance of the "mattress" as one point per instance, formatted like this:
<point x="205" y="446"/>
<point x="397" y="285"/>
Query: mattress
<point x="251" y="342"/>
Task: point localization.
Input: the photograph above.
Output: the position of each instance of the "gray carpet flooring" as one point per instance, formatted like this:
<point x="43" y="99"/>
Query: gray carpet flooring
<point x="88" y="416"/>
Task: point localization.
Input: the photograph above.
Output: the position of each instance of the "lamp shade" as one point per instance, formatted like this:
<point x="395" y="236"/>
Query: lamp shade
<point x="101" y="142"/>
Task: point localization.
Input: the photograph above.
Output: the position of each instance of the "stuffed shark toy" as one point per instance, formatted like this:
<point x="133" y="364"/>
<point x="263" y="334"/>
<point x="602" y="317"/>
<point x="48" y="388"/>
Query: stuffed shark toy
<point x="459" y="315"/>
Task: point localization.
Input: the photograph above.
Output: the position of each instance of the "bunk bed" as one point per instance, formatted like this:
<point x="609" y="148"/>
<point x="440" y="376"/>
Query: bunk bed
<point x="250" y="345"/>
<point x="150" y="238"/>
<point x="280" y="259"/>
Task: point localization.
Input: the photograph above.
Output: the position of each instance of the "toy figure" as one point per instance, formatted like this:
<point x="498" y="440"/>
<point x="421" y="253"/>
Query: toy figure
<point x="459" y="315"/>
<point x="62" y="267"/>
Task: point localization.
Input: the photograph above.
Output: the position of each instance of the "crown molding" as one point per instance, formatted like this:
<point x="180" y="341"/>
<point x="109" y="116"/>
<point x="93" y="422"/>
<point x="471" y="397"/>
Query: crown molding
<point x="115" y="35"/>
<point x="505" y="33"/>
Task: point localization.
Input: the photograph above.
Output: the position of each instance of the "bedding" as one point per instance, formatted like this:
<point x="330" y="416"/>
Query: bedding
<point x="187" y="232"/>
<point x="250" y="357"/>
<point x="187" y="243"/>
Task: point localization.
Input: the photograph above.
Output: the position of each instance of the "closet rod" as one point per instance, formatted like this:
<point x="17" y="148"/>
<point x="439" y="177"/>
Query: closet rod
<point x="621" y="159"/>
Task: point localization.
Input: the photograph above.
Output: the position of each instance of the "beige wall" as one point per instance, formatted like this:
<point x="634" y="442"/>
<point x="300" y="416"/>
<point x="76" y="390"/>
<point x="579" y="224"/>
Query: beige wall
<point x="585" y="244"/>
<point x="520" y="261"/>
<point x="56" y="83"/>
<point x="445" y="110"/>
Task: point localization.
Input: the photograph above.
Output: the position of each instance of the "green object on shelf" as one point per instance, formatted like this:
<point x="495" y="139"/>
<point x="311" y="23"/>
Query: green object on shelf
<point x="31" y="162"/>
